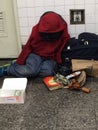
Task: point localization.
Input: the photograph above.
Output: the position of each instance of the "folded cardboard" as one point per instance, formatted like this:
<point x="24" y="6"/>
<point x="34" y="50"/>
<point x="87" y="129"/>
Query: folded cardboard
<point x="95" y="68"/>
<point x="13" y="90"/>
<point x="90" y="66"/>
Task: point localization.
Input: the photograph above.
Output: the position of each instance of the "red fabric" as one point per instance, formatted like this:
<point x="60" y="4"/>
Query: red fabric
<point x="51" y="23"/>
<point x="50" y="50"/>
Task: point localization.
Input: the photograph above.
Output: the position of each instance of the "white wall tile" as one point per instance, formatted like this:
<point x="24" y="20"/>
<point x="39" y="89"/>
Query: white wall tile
<point x="69" y="2"/>
<point x="39" y="2"/>
<point x="60" y="10"/>
<point x="37" y="19"/>
<point x="96" y="9"/>
<point x="90" y="9"/>
<point x="59" y="2"/>
<point x="90" y="28"/>
<point x="39" y="11"/>
<point x="90" y="19"/>
<point x="76" y="35"/>
<point x="96" y="19"/>
<point x="72" y="35"/>
<point x="24" y="39"/>
<point x="67" y="19"/>
<point x="30" y="3"/>
<point x="90" y="1"/>
<point x="49" y="8"/>
<point x="79" y="2"/>
<point x="67" y="9"/>
<point x="30" y="11"/>
<point x="80" y="29"/>
<point x="30" y="30"/>
<point x="96" y="26"/>
<point x="24" y="31"/>
<point x="96" y="1"/>
<point x="78" y="6"/>
<point x="72" y="29"/>
<point x="23" y="3"/>
<point x="48" y="3"/>
<point x="23" y="22"/>
<point x="32" y="21"/>
<point x="22" y="12"/>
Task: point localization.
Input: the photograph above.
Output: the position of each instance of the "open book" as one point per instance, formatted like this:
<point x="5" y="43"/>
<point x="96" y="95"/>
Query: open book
<point x="59" y="81"/>
<point x="51" y="84"/>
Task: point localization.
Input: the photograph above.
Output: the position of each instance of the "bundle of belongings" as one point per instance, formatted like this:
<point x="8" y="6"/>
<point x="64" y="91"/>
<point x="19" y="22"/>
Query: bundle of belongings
<point x="83" y="53"/>
<point x="79" y="55"/>
<point x="74" y="81"/>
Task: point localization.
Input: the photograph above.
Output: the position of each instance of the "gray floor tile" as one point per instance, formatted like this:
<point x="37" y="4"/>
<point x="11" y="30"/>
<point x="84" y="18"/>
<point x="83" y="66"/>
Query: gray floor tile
<point x="61" y="109"/>
<point x="75" y="118"/>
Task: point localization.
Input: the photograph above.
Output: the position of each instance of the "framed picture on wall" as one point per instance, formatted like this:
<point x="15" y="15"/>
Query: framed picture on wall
<point x="77" y="16"/>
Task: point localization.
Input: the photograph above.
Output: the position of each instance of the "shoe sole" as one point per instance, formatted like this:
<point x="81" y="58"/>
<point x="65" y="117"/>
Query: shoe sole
<point x="4" y="65"/>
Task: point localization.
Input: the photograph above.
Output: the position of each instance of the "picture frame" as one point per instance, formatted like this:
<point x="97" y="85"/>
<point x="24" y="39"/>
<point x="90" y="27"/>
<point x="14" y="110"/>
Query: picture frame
<point x="77" y="16"/>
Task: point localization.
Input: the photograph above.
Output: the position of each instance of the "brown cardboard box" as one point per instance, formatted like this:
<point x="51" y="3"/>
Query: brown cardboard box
<point x="91" y="66"/>
<point x="95" y="68"/>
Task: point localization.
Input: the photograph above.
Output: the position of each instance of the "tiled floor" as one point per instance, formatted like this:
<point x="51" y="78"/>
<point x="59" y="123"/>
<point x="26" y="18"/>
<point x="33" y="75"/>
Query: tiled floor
<point x="61" y="109"/>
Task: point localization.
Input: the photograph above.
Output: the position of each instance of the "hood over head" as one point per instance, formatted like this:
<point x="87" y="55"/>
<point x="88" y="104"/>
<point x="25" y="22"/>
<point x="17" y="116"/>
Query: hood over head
<point x="51" y="23"/>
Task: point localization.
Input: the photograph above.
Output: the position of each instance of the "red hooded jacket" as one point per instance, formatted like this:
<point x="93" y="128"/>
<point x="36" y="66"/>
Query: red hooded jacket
<point x="49" y="23"/>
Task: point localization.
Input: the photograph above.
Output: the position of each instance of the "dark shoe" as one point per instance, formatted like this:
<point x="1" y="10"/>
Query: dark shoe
<point x="3" y="70"/>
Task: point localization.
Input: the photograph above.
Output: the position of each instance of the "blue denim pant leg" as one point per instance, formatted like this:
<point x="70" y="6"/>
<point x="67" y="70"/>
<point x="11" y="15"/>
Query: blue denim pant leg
<point x="30" y="69"/>
<point x="47" y="68"/>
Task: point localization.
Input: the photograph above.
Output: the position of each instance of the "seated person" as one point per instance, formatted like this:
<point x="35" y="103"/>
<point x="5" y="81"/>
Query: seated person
<point x="42" y="52"/>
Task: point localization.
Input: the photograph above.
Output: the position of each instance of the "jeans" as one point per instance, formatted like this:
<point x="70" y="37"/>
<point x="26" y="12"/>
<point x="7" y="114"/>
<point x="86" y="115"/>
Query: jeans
<point x="34" y="66"/>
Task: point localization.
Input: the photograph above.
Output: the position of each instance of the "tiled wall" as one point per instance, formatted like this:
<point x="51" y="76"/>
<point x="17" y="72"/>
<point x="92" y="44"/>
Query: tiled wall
<point x="30" y="11"/>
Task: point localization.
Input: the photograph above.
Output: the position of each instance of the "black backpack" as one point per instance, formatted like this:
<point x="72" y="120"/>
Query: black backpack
<point x="87" y="36"/>
<point x="85" y="47"/>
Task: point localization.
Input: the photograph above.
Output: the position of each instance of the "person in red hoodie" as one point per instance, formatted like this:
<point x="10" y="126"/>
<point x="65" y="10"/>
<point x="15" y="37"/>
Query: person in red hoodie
<point x="42" y="52"/>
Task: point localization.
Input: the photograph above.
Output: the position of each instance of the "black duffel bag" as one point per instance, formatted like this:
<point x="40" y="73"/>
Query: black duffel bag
<point x="85" y="47"/>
